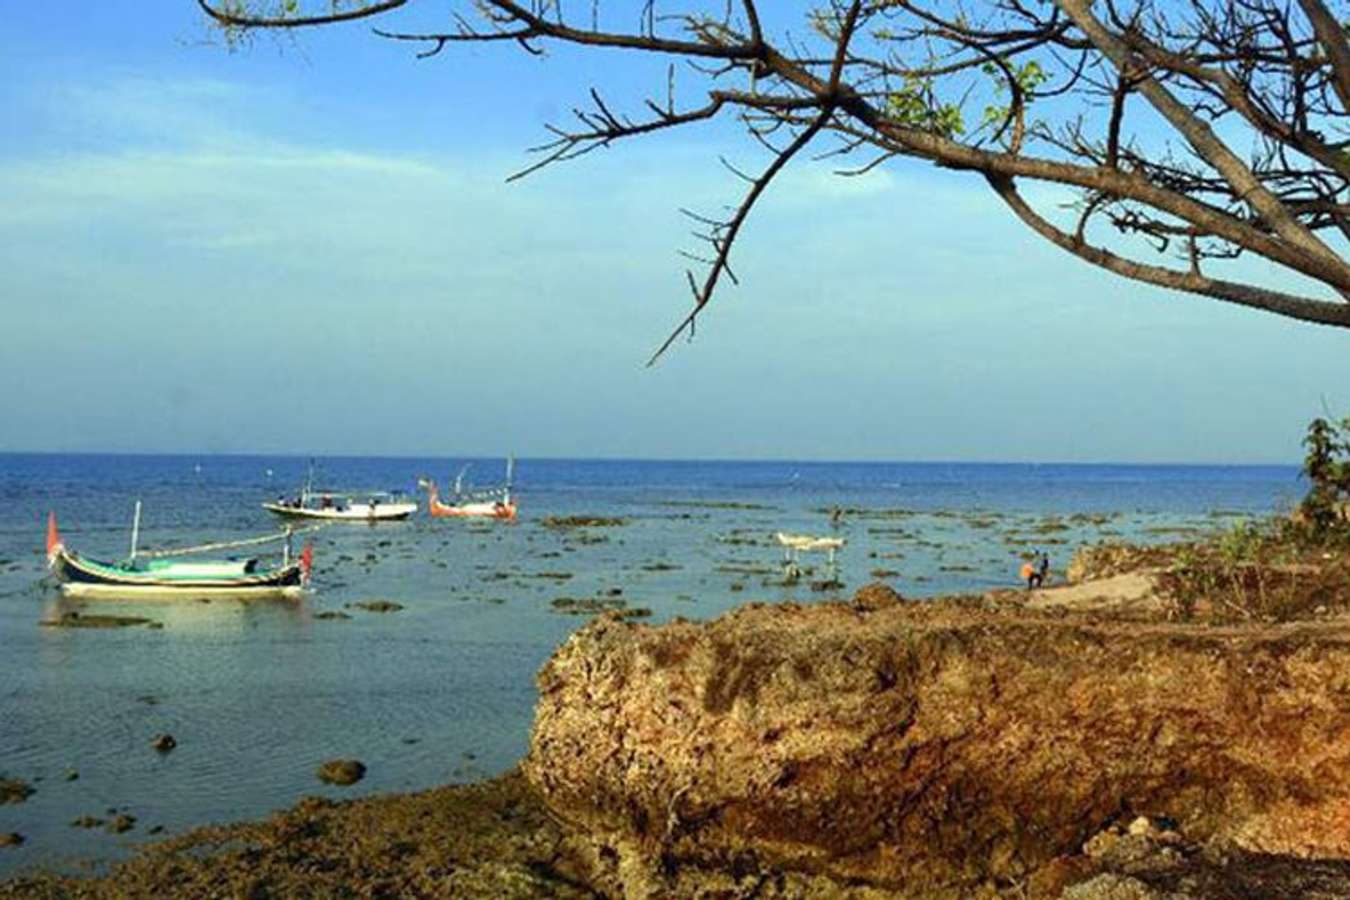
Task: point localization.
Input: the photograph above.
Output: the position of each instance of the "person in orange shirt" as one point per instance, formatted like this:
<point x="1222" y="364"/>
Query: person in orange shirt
<point x="1034" y="573"/>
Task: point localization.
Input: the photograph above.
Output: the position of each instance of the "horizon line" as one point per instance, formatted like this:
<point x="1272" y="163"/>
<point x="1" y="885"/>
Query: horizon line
<point x="649" y="459"/>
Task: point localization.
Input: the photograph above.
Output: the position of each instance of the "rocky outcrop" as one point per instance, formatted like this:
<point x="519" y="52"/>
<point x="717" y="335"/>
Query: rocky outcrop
<point x="1105" y="560"/>
<point x="488" y="840"/>
<point x="933" y="748"/>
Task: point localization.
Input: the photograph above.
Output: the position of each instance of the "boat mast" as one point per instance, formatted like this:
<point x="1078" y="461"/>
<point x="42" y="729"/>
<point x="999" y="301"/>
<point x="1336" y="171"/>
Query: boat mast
<point x="510" y="469"/>
<point x="135" y="531"/>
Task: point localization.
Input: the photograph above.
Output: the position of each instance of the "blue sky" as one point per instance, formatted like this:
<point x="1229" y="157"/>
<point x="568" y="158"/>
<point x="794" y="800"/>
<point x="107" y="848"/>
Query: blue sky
<point x="309" y="247"/>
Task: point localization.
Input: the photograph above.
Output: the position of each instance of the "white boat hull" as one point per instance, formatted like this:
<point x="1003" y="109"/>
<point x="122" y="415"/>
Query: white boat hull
<point x="86" y="591"/>
<point x="357" y="512"/>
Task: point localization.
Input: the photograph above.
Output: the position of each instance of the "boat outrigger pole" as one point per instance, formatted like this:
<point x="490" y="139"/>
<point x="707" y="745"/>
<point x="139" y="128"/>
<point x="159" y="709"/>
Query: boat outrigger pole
<point x="135" y="531"/>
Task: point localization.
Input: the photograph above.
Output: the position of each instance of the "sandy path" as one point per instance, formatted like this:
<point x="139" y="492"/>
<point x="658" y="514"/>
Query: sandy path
<point x="1129" y="591"/>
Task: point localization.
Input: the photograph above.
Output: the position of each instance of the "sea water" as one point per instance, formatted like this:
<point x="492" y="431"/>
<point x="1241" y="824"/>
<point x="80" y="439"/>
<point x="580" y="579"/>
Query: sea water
<point x="258" y="694"/>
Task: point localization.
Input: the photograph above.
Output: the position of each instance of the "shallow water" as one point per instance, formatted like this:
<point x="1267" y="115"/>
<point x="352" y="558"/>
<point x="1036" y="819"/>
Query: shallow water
<point x="259" y="694"/>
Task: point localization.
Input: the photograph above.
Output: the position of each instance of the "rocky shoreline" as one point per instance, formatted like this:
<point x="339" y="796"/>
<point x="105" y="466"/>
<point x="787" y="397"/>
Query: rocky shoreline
<point x="1070" y="742"/>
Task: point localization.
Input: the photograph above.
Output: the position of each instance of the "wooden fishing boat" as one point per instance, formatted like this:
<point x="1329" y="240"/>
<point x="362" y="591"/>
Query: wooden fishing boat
<point x="342" y="505"/>
<point x="159" y="575"/>
<point x="487" y="503"/>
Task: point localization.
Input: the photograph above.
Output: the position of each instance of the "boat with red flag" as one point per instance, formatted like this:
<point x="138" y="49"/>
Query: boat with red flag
<point x="167" y="574"/>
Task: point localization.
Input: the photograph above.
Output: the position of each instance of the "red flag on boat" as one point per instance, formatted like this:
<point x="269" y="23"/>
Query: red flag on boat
<point x="53" y="536"/>
<point x="306" y="560"/>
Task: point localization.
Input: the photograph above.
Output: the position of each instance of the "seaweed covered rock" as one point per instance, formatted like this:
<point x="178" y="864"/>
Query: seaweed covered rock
<point x="379" y="606"/>
<point x="342" y="772"/>
<point x="493" y="839"/>
<point x="933" y="748"/>
<point x="12" y="790"/>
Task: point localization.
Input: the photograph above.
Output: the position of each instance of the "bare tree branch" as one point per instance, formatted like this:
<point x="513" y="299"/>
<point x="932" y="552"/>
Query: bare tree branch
<point x="725" y="236"/>
<point x="244" y="20"/>
<point x="1239" y="142"/>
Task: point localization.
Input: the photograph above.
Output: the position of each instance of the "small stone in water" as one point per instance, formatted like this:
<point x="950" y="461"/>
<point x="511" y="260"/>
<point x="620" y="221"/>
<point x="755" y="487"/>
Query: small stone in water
<point x="12" y="790"/>
<point x="164" y="743"/>
<point x="378" y="605"/>
<point x="122" y="822"/>
<point x="342" y="772"/>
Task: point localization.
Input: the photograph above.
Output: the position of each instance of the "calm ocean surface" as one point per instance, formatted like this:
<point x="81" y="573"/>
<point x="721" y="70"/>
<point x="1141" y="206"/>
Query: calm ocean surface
<point x="259" y="694"/>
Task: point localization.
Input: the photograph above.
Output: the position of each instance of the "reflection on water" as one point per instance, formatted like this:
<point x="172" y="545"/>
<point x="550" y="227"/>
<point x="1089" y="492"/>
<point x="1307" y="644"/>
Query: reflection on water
<point x="257" y="694"/>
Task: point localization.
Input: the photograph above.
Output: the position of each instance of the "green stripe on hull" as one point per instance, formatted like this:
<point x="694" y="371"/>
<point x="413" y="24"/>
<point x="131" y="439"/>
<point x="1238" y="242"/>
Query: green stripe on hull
<point x="167" y="570"/>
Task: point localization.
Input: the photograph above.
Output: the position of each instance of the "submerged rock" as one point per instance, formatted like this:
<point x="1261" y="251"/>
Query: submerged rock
<point x="930" y="749"/>
<point x="11" y="839"/>
<point x="379" y="606"/>
<point x="122" y="822"/>
<point x="331" y="614"/>
<point x="583" y="606"/>
<point x="581" y="522"/>
<point x="86" y="822"/>
<point x="12" y="790"/>
<point x="74" y="619"/>
<point x="342" y="772"/>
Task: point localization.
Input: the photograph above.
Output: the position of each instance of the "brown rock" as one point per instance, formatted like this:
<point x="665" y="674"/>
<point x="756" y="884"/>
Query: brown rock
<point x="874" y="596"/>
<point x="490" y="840"/>
<point x="11" y="839"/>
<point x="1113" y="887"/>
<point x="163" y="742"/>
<point x="342" y="772"/>
<point x="931" y="748"/>
<point x="12" y="790"/>
<point x="121" y="822"/>
<point x="1101" y="844"/>
<point x="380" y="606"/>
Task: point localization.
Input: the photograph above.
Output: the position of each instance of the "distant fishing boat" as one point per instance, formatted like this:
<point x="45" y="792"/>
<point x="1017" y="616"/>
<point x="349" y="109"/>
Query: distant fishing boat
<point x="485" y="503"/>
<point x="345" y="506"/>
<point x="159" y="574"/>
<point x="342" y="505"/>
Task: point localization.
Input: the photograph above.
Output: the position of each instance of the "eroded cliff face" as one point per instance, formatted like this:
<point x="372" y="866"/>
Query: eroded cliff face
<point x="931" y="748"/>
